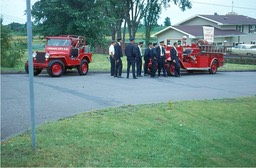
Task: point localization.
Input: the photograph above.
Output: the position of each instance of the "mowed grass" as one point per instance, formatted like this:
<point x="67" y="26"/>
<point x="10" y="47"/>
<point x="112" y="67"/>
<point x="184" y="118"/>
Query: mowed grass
<point x="188" y="133"/>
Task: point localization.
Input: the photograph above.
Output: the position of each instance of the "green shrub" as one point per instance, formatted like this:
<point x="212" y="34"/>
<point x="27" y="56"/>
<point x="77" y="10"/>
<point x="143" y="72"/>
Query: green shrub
<point x="241" y="60"/>
<point x="11" y="52"/>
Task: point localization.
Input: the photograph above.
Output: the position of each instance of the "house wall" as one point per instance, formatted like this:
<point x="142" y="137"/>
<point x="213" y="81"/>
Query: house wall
<point x="172" y="35"/>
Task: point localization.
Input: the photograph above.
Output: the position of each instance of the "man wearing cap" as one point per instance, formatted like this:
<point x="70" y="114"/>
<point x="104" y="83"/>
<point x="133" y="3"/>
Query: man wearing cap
<point x="111" y="51"/>
<point x="175" y="59"/>
<point x="130" y="53"/>
<point x="161" y="58"/>
<point x="118" y="54"/>
<point x="138" y="52"/>
<point x="153" y="60"/>
<point x="147" y="56"/>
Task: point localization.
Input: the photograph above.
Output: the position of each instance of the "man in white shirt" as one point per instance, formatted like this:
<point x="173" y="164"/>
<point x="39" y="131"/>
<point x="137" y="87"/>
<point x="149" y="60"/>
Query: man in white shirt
<point x="111" y="51"/>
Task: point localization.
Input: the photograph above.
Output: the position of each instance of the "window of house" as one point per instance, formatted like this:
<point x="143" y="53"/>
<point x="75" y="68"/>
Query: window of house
<point x="252" y="28"/>
<point x="240" y="28"/>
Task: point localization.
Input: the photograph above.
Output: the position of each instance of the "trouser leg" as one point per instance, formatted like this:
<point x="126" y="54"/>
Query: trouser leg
<point x="120" y="68"/>
<point x="112" y="66"/>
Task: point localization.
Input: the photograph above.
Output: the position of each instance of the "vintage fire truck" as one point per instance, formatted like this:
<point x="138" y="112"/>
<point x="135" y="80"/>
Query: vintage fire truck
<point x="196" y="57"/>
<point x="62" y="53"/>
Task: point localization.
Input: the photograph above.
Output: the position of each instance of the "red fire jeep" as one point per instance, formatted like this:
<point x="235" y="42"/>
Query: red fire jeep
<point x="62" y="53"/>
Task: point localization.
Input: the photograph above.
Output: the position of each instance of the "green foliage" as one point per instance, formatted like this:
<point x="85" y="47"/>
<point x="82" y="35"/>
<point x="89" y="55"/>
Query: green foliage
<point x="78" y="17"/>
<point x="242" y="60"/>
<point x="167" y="21"/>
<point x="11" y="52"/>
<point x="216" y="133"/>
<point x="18" y="29"/>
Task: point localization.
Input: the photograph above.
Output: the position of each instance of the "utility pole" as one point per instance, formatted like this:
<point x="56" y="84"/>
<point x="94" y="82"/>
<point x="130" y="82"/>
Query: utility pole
<point x="31" y="75"/>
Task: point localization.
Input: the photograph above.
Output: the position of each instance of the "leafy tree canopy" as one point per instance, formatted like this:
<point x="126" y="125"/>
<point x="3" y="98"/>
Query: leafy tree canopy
<point x="78" y="17"/>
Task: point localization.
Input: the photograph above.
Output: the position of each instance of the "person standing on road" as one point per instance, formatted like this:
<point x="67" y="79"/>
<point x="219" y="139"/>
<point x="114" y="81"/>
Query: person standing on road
<point x="147" y="56"/>
<point x="111" y="52"/>
<point x="153" y="60"/>
<point x="118" y="61"/>
<point x="131" y="56"/>
<point x="175" y="59"/>
<point x="161" y="58"/>
<point x="138" y="51"/>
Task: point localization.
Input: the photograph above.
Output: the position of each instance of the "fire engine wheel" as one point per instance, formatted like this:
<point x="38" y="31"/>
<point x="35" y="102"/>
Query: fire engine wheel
<point x="214" y="67"/>
<point x="170" y="69"/>
<point x="55" y="68"/>
<point x="83" y="68"/>
<point x="36" y="71"/>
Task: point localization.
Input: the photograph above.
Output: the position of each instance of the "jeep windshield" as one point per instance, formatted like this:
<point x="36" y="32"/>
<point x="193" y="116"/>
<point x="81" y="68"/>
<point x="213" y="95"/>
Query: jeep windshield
<point x="58" y="42"/>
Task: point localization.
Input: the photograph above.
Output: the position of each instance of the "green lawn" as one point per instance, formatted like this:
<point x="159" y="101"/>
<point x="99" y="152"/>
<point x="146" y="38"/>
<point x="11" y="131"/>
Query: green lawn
<point x="181" y="134"/>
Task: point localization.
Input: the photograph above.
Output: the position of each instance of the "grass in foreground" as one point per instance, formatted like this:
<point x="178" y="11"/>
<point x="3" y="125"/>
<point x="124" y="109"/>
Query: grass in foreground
<point x="189" y="133"/>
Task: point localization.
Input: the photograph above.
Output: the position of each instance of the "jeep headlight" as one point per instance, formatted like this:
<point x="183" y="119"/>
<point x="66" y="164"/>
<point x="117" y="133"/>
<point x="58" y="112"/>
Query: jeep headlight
<point x="47" y="55"/>
<point x="34" y="54"/>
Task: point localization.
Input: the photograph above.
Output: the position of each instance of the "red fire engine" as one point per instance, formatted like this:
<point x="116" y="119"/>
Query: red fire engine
<point x="62" y="53"/>
<point x="201" y="56"/>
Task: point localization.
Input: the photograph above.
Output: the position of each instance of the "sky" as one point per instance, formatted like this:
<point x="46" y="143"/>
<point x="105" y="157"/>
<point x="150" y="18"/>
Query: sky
<point x="14" y="10"/>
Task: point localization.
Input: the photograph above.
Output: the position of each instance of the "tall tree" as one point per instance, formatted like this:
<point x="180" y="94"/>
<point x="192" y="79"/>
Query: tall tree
<point x="167" y="21"/>
<point x="58" y="17"/>
<point x="151" y="16"/>
<point x="154" y="8"/>
<point x="115" y="12"/>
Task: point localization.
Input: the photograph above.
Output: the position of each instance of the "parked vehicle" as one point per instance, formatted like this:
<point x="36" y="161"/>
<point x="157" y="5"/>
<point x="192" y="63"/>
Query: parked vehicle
<point x="244" y="50"/>
<point x="62" y="53"/>
<point x="199" y="57"/>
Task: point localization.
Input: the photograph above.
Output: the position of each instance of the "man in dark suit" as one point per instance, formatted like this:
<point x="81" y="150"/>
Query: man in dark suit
<point x="161" y="57"/>
<point x="175" y="59"/>
<point x="153" y="60"/>
<point x="147" y="56"/>
<point x="130" y="53"/>
<point x="138" y="53"/>
<point x="118" y="54"/>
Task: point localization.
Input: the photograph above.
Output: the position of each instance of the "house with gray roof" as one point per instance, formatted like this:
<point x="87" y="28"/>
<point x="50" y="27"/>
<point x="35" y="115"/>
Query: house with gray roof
<point x="229" y="29"/>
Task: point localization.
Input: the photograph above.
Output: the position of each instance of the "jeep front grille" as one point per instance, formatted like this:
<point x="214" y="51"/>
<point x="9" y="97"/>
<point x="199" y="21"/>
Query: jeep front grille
<point x="40" y="57"/>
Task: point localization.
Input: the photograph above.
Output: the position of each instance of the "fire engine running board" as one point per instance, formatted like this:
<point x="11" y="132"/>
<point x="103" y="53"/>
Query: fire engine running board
<point x="198" y="68"/>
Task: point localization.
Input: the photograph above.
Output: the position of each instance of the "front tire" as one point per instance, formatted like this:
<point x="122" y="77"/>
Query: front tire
<point x="36" y="71"/>
<point x="55" y="68"/>
<point x="83" y="67"/>
<point x="214" y="67"/>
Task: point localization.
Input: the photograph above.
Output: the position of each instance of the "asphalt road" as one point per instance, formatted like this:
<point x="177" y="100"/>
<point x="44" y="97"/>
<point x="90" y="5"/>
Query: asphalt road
<point x="71" y="94"/>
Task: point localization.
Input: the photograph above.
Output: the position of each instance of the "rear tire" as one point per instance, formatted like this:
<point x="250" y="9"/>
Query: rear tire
<point x="55" y="68"/>
<point x="170" y="69"/>
<point x="83" y="67"/>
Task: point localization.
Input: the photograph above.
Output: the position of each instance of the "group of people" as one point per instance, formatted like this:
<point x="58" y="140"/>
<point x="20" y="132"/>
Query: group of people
<point x="155" y="53"/>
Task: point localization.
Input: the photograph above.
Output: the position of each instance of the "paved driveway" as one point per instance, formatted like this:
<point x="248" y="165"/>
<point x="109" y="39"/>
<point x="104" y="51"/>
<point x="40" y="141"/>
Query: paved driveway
<point x="72" y="94"/>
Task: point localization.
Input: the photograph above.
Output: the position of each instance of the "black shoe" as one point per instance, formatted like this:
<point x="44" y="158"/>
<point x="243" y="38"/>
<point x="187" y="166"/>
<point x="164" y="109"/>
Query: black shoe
<point x="135" y="78"/>
<point x="115" y="76"/>
<point x="119" y="77"/>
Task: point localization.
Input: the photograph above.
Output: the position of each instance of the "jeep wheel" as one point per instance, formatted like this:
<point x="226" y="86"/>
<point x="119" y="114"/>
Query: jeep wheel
<point x="55" y="68"/>
<point x="36" y="71"/>
<point x="170" y="69"/>
<point x="83" y="68"/>
<point x="214" y="67"/>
